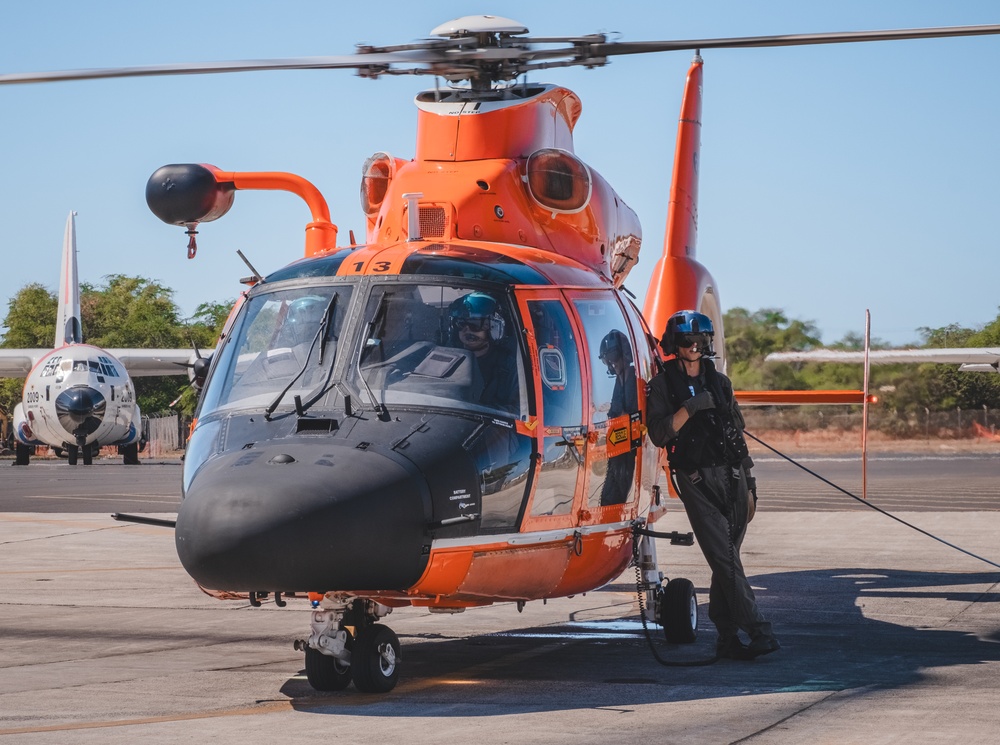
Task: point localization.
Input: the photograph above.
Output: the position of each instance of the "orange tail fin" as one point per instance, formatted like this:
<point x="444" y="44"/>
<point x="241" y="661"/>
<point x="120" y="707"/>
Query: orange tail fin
<point x="679" y="282"/>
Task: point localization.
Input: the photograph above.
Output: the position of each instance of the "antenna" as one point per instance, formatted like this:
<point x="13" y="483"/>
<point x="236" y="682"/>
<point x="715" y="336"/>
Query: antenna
<point x="255" y="277"/>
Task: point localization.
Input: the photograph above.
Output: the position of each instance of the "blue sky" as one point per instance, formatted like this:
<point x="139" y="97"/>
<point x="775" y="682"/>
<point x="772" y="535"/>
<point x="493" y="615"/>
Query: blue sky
<point x="834" y="178"/>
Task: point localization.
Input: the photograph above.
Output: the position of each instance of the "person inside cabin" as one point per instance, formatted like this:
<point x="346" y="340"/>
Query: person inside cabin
<point x="479" y="327"/>
<point x="616" y="353"/>
<point x="692" y="412"/>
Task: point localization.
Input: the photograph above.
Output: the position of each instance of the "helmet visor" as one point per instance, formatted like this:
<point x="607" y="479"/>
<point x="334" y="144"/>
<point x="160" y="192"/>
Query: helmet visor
<point x="684" y="341"/>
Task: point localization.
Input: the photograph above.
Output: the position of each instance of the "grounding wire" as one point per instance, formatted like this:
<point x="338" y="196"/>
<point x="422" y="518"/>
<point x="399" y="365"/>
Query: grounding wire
<point x="867" y="503"/>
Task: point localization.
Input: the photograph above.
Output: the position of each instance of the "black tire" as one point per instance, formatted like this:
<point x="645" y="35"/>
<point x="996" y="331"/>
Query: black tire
<point x="59" y="452"/>
<point x="88" y="455"/>
<point x="72" y="454"/>
<point x="679" y="612"/>
<point x="130" y="457"/>
<point x="326" y="673"/>
<point x="22" y="454"/>
<point x="375" y="660"/>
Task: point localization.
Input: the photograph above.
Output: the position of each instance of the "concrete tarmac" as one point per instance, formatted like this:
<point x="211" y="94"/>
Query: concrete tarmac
<point x="888" y="636"/>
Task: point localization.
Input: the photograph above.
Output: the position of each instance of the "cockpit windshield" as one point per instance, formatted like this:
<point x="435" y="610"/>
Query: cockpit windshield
<point x="284" y="339"/>
<point x="412" y="344"/>
<point x="439" y="345"/>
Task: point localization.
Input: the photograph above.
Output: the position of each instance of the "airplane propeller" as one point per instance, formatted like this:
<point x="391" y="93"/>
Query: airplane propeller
<point x="487" y="49"/>
<point x="198" y="371"/>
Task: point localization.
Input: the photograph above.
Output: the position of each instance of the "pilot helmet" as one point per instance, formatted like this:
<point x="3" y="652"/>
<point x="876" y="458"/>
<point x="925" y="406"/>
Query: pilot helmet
<point x="614" y="346"/>
<point x="303" y="319"/>
<point x="687" y="327"/>
<point x="477" y="310"/>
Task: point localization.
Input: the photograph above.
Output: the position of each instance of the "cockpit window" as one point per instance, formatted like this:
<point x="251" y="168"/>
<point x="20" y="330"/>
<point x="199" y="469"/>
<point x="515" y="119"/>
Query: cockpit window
<point x="277" y="340"/>
<point x="439" y="345"/>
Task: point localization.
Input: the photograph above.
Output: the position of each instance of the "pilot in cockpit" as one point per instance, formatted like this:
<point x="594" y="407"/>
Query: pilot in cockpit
<point x="479" y="326"/>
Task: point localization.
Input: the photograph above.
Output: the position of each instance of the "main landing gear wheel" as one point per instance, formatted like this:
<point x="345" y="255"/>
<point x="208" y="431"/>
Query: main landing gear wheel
<point x="679" y="611"/>
<point x="130" y="457"/>
<point x="72" y="454"/>
<point x="22" y="455"/>
<point x="326" y="673"/>
<point x="88" y="455"/>
<point x="375" y="659"/>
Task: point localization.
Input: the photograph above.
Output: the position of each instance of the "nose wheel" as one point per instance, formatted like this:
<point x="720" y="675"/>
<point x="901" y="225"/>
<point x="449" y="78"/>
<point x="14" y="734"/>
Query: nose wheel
<point x="375" y="660"/>
<point x="347" y="645"/>
<point x="326" y="673"/>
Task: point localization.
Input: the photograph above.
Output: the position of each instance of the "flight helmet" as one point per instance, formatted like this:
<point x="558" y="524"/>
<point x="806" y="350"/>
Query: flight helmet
<point x="614" y="346"/>
<point x="478" y="311"/>
<point x="687" y="327"/>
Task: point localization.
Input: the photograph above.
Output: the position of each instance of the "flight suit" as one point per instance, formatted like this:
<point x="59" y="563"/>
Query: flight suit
<point x="711" y="481"/>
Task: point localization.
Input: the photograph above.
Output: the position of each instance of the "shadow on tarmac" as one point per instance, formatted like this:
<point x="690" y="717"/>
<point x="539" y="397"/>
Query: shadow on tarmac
<point x="828" y="644"/>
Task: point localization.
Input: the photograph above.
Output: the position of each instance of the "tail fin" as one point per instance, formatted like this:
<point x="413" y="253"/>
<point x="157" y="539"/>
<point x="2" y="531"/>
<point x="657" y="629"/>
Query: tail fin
<point x="679" y="282"/>
<point x="68" y="328"/>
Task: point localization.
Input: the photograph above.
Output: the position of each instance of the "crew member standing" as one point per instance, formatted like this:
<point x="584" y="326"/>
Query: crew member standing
<point x="691" y="410"/>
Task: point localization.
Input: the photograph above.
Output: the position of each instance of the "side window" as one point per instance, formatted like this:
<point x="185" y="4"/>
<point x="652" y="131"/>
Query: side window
<point x="559" y="363"/>
<point x="562" y="405"/>
<point x="614" y="399"/>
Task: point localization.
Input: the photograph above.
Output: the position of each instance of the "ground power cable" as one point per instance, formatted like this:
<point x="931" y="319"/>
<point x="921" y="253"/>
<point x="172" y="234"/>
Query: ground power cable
<point x="867" y="503"/>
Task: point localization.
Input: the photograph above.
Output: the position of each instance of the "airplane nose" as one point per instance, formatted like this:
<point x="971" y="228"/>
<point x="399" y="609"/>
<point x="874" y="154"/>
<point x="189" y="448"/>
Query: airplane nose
<point x="303" y="518"/>
<point x="80" y="410"/>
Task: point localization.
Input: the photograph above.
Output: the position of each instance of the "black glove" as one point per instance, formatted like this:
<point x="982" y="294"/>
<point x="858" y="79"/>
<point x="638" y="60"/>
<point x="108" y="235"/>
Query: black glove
<point x="700" y="402"/>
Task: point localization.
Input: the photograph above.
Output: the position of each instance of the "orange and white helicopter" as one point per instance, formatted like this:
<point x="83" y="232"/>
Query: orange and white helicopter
<point x="437" y="416"/>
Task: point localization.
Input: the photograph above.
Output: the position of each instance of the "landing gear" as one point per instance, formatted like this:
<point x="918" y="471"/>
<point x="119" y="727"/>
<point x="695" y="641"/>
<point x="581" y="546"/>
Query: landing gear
<point x="674" y="606"/>
<point x="678" y="611"/>
<point x="347" y="645"/>
<point x="326" y="673"/>
<point x="22" y="454"/>
<point x="375" y="662"/>
<point x="130" y="454"/>
<point x="72" y="454"/>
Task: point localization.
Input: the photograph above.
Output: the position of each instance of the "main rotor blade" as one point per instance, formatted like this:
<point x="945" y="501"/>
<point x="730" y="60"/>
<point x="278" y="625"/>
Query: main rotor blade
<point x="455" y="59"/>
<point x="355" y="61"/>
<point x="742" y="42"/>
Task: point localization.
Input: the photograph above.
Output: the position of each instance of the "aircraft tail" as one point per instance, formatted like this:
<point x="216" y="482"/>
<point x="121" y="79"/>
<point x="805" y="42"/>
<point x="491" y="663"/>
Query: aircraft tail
<point x="68" y="327"/>
<point x="679" y="282"/>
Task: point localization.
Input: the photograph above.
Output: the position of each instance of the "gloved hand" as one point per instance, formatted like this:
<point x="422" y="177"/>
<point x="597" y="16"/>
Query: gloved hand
<point x="700" y="402"/>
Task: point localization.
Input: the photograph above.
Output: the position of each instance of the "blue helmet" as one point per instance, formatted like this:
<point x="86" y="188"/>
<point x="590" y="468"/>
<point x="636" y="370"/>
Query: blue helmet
<point x="686" y="327"/>
<point x="615" y="345"/>
<point x="478" y="307"/>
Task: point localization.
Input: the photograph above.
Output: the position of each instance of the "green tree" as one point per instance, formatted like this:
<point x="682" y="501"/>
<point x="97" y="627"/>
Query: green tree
<point x="31" y="318"/>
<point x="751" y="336"/>
<point x="124" y="312"/>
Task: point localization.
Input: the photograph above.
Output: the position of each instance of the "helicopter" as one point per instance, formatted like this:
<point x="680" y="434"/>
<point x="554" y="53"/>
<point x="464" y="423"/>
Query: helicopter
<point x="434" y="416"/>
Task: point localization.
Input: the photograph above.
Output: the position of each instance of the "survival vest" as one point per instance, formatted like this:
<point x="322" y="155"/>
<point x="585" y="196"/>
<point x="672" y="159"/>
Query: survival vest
<point x="710" y="437"/>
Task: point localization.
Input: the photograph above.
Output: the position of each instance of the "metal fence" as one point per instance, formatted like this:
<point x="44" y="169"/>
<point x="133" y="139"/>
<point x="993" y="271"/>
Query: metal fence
<point x="165" y="434"/>
<point x="926" y="424"/>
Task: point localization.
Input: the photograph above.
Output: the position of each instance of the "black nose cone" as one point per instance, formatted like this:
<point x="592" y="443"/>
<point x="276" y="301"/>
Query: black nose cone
<point x="300" y="517"/>
<point x="80" y="410"/>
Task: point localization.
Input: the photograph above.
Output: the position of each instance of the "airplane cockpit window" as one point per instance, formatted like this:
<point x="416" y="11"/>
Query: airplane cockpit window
<point x="437" y="345"/>
<point x="283" y="338"/>
<point x="108" y="367"/>
<point x="50" y="366"/>
<point x="80" y="366"/>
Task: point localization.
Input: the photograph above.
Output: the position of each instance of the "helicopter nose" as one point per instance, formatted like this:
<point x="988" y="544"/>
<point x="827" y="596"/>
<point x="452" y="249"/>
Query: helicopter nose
<point x="304" y="518"/>
<point x="80" y="410"/>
